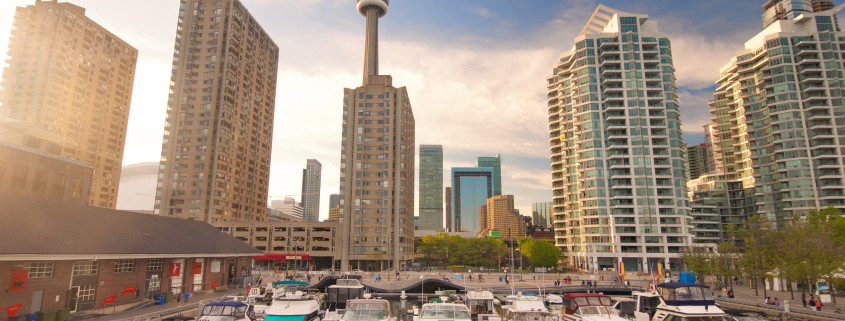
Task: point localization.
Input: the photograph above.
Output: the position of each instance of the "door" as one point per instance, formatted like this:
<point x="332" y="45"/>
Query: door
<point x="35" y="304"/>
<point x="73" y="298"/>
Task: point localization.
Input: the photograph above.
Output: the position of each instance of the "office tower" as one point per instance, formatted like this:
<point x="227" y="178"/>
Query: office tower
<point x="289" y="206"/>
<point x="448" y="213"/>
<point x="494" y="162"/>
<point x="501" y="216"/>
<point x="617" y="164"/>
<point x="215" y="153"/>
<point x="69" y="81"/>
<point x="697" y="160"/>
<point x="471" y="187"/>
<point x="778" y="121"/>
<point x="774" y="10"/>
<point x="334" y="200"/>
<point x="431" y="187"/>
<point x="540" y="214"/>
<point x="311" y="176"/>
<point x="377" y="163"/>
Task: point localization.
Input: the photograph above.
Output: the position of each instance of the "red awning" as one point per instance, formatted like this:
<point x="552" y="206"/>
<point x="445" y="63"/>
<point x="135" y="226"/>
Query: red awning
<point x="281" y="257"/>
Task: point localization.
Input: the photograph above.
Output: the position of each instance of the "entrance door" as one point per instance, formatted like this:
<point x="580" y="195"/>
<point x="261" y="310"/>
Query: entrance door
<point x="73" y="298"/>
<point x="37" y="297"/>
<point x="232" y="273"/>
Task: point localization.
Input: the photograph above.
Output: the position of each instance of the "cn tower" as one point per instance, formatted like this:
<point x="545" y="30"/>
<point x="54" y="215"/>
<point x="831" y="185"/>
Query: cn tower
<point x="372" y="9"/>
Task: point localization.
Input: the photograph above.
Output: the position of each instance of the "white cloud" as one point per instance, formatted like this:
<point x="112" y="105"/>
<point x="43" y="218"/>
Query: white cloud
<point x="484" y="12"/>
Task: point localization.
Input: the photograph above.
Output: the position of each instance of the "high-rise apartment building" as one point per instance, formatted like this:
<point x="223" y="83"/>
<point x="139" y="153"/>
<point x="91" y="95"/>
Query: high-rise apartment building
<point x="779" y="122"/>
<point x="774" y="10"/>
<point x="218" y="131"/>
<point x="494" y="162"/>
<point x="498" y="214"/>
<point x="289" y="206"/>
<point x="69" y="81"/>
<point x="431" y="187"/>
<point x="471" y="187"/>
<point x="377" y="163"/>
<point x="540" y="214"/>
<point x="311" y="177"/>
<point x="617" y="165"/>
<point x="698" y="160"/>
<point x="334" y="200"/>
<point x="448" y="213"/>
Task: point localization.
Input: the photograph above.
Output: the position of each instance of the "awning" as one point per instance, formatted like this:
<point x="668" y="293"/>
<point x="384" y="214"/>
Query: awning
<point x="282" y="257"/>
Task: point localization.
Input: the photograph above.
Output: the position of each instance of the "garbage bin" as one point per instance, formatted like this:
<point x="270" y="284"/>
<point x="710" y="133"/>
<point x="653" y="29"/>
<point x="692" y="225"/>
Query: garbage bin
<point x="32" y="317"/>
<point x="63" y="315"/>
<point x="500" y="279"/>
<point x="159" y="299"/>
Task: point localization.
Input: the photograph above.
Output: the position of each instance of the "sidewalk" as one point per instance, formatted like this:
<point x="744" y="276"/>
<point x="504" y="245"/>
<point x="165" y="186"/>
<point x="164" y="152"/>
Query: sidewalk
<point x="744" y="294"/>
<point x="120" y="313"/>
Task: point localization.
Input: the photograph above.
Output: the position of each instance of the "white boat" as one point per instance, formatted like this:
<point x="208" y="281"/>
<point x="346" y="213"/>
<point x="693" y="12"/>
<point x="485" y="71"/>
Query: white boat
<point x="227" y="311"/>
<point x="526" y="308"/>
<point x="291" y="303"/>
<point x="481" y="305"/>
<point x="443" y="312"/>
<point x="259" y="299"/>
<point x="686" y="301"/>
<point x="553" y="299"/>
<point x="641" y="306"/>
<point x="589" y="307"/>
<point x="367" y="310"/>
<point x="337" y="296"/>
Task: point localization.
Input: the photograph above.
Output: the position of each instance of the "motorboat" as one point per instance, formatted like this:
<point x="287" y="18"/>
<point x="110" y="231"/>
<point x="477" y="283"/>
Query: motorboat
<point x="443" y="312"/>
<point x="227" y="311"/>
<point x="526" y="308"/>
<point x="686" y="301"/>
<point x="641" y="306"/>
<point x="260" y="299"/>
<point x="553" y="299"/>
<point x="292" y="302"/>
<point x="589" y="307"/>
<point x="367" y="310"/>
<point x="481" y="304"/>
<point x="337" y="296"/>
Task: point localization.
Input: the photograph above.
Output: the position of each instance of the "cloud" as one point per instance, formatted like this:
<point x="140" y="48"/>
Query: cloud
<point x="695" y="111"/>
<point x="483" y="12"/>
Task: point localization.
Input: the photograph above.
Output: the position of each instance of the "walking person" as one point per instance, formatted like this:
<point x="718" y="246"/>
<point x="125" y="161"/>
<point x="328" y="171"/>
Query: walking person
<point x="819" y="304"/>
<point x="804" y="300"/>
<point x="812" y="303"/>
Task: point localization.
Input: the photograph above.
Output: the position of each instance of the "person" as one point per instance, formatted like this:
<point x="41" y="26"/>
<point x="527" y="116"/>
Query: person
<point x="582" y="283"/>
<point x="724" y="292"/>
<point x="377" y="278"/>
<point x="731" y="293"/>
<point x="768" y="300"/>
<point x="777" y="301"/>
<point x="812" y="303"/>
<point x="804" y="300"/>
<point x="819" y="304"/>
<point x="470" y="277"/>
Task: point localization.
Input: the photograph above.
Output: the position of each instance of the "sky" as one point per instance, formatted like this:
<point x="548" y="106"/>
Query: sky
<point x="475" y="71"/>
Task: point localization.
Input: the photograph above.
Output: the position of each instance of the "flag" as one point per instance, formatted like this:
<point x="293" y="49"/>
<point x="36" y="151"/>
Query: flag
<point x="18" y="283"/>
<point x="196" y="268"/>
<point x="659" y="270"/>
<point x="622" y="268"/>
<point x="175" y="269"/>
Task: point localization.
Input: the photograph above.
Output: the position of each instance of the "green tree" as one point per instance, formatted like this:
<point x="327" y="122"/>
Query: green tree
<point x="759" y="254"/>
<point x="541" y="253"/>
<point x="698" y="260"/>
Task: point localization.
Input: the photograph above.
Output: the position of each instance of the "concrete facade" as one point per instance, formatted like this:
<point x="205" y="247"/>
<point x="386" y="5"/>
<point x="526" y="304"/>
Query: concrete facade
<point x="29" y="172"/>
<point x="320" y="241"/>
<point x="215" y="151"/>
<point x="70" y="80"/>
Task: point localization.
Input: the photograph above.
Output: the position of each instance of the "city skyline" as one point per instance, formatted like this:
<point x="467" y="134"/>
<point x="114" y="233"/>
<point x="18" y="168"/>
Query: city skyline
<point x="517" y="46"/>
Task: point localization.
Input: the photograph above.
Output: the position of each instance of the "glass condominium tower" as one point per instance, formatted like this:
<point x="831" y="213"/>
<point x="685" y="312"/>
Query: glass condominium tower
<point x="494" y="162"/>
<point x="617" y="165"/>
<point x="431" y="187"/>
<point x="779" y="118"/>
<point x="471" y="187"/>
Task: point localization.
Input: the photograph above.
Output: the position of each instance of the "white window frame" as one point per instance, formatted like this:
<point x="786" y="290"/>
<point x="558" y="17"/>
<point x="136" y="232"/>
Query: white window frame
<point x="124" y="266"/>
<point x="39" y="269"/>
<point x="85" y="268"/>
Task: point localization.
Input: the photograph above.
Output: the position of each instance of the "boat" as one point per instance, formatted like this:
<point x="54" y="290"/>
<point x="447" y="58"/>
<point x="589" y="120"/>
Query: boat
<point x="589" y="307"/>
<point x="481" y="305"/>
<point x="227" y="311"/>
<point x="526" y="308"/>
<point x="292" y="302"/>
<point x="443" y="312"/>
<point x="686" y="301"/>
<point x="553" y="299"/>
<point x="260" y="299"/>
<point x="641" y="306"/>
<point x="337" y="296"/>
<point x="367" y="310"/>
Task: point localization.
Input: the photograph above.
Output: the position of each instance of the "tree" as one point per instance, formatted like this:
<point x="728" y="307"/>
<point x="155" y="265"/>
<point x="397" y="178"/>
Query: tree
<point x="541" y="253"/>
<point x="698" y="260"/>
<point x="759" y="255"/>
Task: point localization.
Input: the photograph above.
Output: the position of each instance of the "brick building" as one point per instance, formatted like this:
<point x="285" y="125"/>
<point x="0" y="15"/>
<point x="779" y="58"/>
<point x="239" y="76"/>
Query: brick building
<point x="60" y="255"/>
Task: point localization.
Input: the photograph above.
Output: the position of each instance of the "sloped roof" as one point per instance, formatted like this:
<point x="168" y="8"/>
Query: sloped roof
<point x="37" y="227"/>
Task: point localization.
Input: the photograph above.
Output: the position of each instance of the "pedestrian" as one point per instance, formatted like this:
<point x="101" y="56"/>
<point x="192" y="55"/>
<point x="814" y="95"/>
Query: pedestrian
<point x="768" y="300"/>
<point x="804" y="300"/>
<point x="377" y="278"/>
<point x="724" y="292"/>
<point x="777" y="301"/>
<point x="812" y="303"/>
<point x="819" y="304"/>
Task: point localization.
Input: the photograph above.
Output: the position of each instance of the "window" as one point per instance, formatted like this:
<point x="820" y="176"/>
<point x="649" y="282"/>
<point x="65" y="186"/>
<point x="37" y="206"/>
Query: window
<point x="121" y="266"/>
<point x="39" y="270"/>
<point x="85" y="268"/>
<point x="155" y="265"/>
<point x="86" y="293"/>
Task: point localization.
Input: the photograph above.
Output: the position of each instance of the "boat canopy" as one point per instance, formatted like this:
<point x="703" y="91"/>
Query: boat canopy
<point x="290" y="282"/>
<point x="228" y="303"/>
<point x="682" y="293"/>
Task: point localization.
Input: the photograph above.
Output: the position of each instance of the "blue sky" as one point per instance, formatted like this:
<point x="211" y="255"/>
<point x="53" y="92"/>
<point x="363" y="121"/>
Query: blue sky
<point x="475" y="71"/>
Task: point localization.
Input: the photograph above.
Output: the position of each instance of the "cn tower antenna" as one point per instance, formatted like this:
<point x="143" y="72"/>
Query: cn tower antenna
<point x="373" y="10"/>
